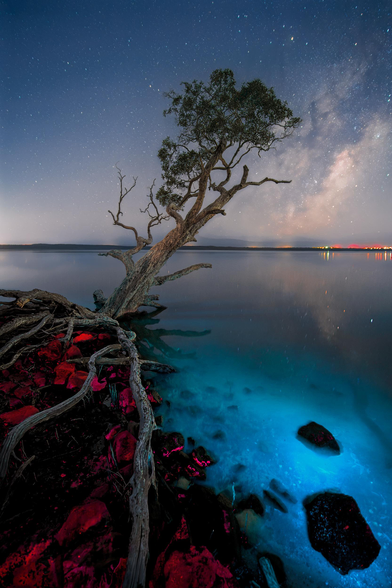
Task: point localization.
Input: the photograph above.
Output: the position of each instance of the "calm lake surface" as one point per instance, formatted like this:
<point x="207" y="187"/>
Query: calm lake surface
<point x="266" y="342"/>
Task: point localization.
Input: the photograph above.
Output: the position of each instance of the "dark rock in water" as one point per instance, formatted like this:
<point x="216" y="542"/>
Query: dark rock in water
<point x="191" y="441"/>
<point x="274" y="501"/>
<point x="232" y="407"/>
<point x="201" y="457"/>
<point x="211" y="523"/>
<point x="278" y="487"/>
<point x="318" y="436"/>
<point x="194" y="410"/>
<point x="170" y="443"/>
<point x="247" y="390"/>
<point x="211" y="389"/>
<point x="239" y="467"/>
<point x="219" y="435"/>
<point x="187" y="394"/>
<point x="159" y="420"/>
<point x="253" y="502"/>
<point x="339" y="532"/>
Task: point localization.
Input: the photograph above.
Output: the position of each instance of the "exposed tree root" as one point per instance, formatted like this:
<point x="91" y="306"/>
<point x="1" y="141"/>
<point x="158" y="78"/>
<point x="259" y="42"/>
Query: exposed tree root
<point x="37" y="305"/>
<point x="143" y="476"/>
<point x="17" y="433"/>
<point x="26" y="335"/>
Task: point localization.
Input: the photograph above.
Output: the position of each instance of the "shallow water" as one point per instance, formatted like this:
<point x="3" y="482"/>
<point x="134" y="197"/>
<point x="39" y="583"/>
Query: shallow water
<point x="294" y="337"/>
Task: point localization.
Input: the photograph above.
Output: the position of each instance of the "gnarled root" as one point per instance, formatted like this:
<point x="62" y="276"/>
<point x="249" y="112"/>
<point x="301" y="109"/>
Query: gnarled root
<point x="143" y="476"/>
<point x="17" y="433"/>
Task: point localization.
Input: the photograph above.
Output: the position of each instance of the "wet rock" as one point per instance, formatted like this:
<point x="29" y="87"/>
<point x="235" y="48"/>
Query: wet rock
<point x="211" y="523"/>
<point x="274" y="501"/>
<point x="315" y="435"/>
<point x="81" y="519"/>
<point x="14" y="417"/>
<point x="253" y="502"/>
<point x="171" y="443"/>
<point x="201" y="457"/>
<point x="124" y="446"/>
<point x="191" y="441"/>
<point x="159" y="420"/>
<point x="50" y="352"/>
<point x="278" y="487"/>
<point x="186" y="394"/>
<point x="339" y="532"/>
<point x="249" y="523"/>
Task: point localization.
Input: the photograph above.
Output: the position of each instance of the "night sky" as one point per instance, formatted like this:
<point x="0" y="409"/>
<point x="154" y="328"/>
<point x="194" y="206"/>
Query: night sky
<point x="83" y="87"/>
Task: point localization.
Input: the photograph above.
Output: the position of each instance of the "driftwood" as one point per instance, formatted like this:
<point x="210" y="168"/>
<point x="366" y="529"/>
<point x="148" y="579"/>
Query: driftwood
<point x="143" y="474"/>
<point x="145" y="364"/>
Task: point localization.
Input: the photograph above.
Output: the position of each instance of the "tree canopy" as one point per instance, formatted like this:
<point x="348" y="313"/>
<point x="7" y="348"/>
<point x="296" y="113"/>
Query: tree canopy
<point x="215" y="118"/>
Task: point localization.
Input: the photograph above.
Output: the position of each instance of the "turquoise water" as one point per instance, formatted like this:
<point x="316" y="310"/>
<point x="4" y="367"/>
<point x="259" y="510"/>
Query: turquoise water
<point x="269" y="342"/>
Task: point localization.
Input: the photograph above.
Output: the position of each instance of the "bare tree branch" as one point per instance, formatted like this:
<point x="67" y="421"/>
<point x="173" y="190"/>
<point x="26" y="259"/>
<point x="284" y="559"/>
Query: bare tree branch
<point x="159" y="280"/>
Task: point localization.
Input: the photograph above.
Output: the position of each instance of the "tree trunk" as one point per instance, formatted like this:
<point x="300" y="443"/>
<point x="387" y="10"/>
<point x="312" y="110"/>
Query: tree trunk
<point x="134" y="288"/>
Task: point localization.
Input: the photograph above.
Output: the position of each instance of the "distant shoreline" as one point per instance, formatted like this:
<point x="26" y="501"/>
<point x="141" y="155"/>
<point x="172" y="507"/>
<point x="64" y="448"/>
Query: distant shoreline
<point x="75" y="247"/>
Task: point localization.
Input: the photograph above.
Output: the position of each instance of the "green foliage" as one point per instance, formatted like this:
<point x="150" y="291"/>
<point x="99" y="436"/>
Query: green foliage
<point x="216" y="117"/>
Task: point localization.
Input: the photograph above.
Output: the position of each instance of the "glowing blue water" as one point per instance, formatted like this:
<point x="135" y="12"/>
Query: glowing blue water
<point x="294" y="337"/>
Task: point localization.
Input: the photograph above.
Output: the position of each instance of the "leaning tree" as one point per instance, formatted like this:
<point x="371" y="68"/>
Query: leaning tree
<point x="219" y="126"/>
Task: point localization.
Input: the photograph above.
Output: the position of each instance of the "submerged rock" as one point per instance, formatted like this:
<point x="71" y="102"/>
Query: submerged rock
<point x="278" y="487"/>
<point x="318" y="436"/>
<point x="339" y="532"/>
<point x="274" y="501"/>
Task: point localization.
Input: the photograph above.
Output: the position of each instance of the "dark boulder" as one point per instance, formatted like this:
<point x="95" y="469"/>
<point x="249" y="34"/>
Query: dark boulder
<point x="339" y="532"/>
<point x="315" y="435"/>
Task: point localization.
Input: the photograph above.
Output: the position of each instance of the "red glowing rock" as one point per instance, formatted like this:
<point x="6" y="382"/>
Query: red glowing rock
<point x="80" y="519"/>
<point x="84" y="337"/>
<point x="126" y="401"/>
<point x="51" y="352"/>
<point x="97" y="386"/>
<point x="39" y="379"/>
<point x="17" y="416"/>
<point x="72" y="353"/>
<point x="24" y="568"/>
<point x="113" y="432"/>
<point x="196" y="569"/>
<point x="6" y="387"/>
<point x="21" y="391"/>
<point x="77" y="379"/>
<point x="124" y="446"/>
<point x="63" y="370"/>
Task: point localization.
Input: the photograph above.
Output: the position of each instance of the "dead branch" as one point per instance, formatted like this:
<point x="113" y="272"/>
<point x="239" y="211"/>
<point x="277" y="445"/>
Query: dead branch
<point x="21" y="321"/>
<point x="143" y="474"/>
<point x="32" y="331"/>
<point x="159" y="280"/>
<point x="22" y="298"/>
<point x="27" y="349"/>
<point x="17" y="432"/>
